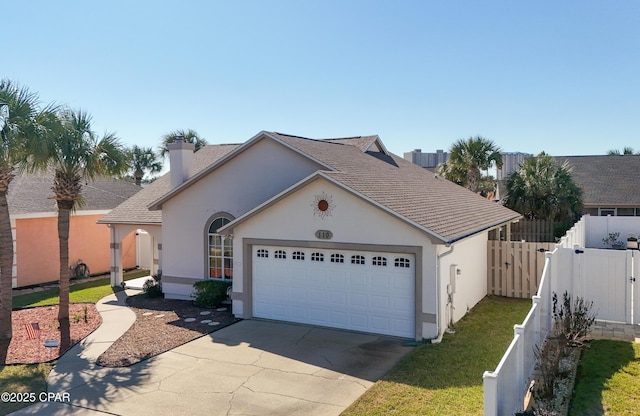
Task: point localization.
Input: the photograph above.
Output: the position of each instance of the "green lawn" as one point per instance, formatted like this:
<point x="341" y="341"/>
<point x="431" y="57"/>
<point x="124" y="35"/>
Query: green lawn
<point x="91" y="291"/>
<point x="608" y="380"/>
<point x="22" y="379"/>
<point x="446" y="379"/>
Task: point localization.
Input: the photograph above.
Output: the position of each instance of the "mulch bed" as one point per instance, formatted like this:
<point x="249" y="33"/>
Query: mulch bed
<point x="160" y="326"/>
<point x="23" y="350"/>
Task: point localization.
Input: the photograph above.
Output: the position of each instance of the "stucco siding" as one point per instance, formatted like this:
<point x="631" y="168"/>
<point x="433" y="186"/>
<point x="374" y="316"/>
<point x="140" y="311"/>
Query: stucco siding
<point x="469" y="261"/>
<point x="37" y="248"/>
<point x="350" y="219"/>
<point x="250" y="178"/>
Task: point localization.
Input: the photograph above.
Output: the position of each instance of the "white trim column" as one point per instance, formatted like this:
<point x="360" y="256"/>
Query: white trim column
<point x="116" y="271"/>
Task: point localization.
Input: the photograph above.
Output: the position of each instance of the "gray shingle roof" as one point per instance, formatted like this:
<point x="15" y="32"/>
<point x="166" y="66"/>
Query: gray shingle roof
<point x="135" y="210"/>
<point x="434" y="203"/>
<point x="31" y="193"/>
<point x="446" y="209"/>
<point x="361" y="142"/>
<point x="606" y="180"/>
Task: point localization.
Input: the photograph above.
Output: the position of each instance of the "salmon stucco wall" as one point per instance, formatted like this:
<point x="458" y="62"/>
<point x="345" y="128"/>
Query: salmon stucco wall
<point x="37" y="253"/>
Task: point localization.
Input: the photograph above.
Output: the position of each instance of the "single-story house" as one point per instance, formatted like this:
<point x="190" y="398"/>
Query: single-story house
<point x="333" y="232"/>
<point x="34" y="218"/>
<point x="608" y="183"/>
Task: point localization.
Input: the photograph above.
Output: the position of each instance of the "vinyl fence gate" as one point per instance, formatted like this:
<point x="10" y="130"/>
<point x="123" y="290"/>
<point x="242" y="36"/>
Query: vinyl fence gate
<point x="609" y="278"/>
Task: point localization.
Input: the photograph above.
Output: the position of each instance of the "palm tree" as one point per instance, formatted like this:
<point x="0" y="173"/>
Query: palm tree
<point x="544" y="189"/>
<point x="23" y="125"/>
<point x="141" y="160"/>
<point x="189" y="136"/>
<point x="626" y="151"/>
<point x="467" y="158"/>
<point x="76" y="154"/>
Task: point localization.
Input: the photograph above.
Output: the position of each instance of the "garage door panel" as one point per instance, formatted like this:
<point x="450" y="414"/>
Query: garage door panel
<point x="380" y="302"/>
<point x="380" y="323"/>
<point x="338" y="299"/>
<point x="298" y="312"/>
<point x="318" y="296"/>
<point x="368" y="297"/>
<point x="338" y="318"/>
<point x="402" y="284"/>
<point x="359" y="321"/>
<point x="357" y="280"/>
<point x="400" y="305"/>
<point x="358" y="300"/>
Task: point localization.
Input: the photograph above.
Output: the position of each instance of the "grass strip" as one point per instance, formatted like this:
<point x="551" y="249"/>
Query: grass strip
<point x="608" y="380"/>
<point x="29" y="378"/>
<point x="80" y="292"/>
<point x="446" y="379"/>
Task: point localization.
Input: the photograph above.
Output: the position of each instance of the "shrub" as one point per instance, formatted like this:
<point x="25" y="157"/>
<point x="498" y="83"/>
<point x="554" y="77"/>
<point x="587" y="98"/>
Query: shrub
<point x="572" y="320"/>
<point x="210" y="293"/>
<point x="153" y="287"/>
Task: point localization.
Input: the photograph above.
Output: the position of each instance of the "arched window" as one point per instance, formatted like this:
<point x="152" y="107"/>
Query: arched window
<point x="220" y="251"/>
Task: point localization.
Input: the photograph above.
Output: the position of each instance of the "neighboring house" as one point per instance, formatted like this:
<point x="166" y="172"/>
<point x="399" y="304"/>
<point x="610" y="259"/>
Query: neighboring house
<point x="608" y="183"/>
<point x="335" y="232"/>
<point x="34" y="227"/>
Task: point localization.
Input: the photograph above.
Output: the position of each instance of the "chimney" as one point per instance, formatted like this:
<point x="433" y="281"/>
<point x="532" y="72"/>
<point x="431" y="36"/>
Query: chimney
<point x="180" y="160"/>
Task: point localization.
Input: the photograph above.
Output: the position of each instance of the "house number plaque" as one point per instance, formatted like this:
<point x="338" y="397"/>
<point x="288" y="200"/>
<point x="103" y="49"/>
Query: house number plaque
<point x="324" y="234"/>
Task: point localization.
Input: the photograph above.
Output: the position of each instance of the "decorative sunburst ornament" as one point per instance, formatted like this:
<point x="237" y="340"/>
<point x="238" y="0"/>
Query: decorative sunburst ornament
<point x="322" y="205"/>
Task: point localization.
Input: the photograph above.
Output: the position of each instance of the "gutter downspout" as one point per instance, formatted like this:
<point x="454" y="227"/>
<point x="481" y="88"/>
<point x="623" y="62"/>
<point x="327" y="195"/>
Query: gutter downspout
<point x="438" y="339"/>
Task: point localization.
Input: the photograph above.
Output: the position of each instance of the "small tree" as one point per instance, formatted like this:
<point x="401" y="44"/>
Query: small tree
<point x="467" y="158"/>
<point x="544" y="189"/>
<point x="189" y="136"/>
<point x="24" y="126"/>
<point x="572" y="320"/>
<point x="76" y="153"/>
<point x="142" y="160"/>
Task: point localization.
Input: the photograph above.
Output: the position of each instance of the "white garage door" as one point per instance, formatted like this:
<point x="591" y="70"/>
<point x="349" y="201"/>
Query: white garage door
<point x="357" y="290"/>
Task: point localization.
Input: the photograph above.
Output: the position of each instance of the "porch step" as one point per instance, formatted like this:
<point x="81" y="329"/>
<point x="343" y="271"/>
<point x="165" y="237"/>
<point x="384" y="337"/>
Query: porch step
<point x="137" y="282"/>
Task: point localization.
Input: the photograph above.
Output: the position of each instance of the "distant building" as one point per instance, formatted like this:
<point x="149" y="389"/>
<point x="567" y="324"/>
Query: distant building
<point x="426" y="160"/>
<point x="510" y="163"/>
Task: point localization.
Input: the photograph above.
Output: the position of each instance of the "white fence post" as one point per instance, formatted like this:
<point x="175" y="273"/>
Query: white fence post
<point x="518" y="332"/>
<point x="535" y="299"/>
<point x="490" y="384"/>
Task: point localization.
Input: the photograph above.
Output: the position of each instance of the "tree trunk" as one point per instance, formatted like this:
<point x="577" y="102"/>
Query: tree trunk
<point x="473" y="179"/>
<point x="6" y="258"/>
<point x="64" y="211"/>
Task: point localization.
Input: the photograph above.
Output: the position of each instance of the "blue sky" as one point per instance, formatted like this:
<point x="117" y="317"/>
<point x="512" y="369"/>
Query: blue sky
<point x="558" y="76"/>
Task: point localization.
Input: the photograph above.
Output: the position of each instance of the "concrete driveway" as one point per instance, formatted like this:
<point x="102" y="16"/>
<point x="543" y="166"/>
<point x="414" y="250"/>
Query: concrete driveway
<point x="250" y="368"/>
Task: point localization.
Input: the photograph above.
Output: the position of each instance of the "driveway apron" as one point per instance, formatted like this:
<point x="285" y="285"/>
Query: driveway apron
<point x="253" y="367"/>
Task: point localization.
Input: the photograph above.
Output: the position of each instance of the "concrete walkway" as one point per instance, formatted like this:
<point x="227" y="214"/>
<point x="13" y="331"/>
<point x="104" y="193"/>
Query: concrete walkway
<point x="250" y="368"/>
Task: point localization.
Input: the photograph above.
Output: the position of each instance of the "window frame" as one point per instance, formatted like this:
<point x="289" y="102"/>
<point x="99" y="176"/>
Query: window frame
<point x="336" y="258"/>
<point x="379" y="261"/>
<point x="222" y="263"/>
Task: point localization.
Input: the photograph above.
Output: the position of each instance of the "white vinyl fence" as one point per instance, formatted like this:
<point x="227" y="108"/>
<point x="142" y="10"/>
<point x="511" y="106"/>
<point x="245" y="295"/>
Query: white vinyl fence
<point x="606" y="277"/>
<point x="505" y="388"/>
